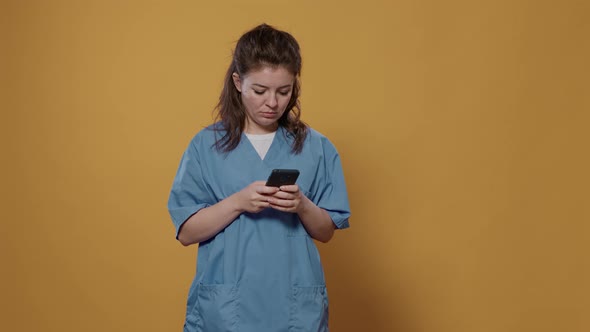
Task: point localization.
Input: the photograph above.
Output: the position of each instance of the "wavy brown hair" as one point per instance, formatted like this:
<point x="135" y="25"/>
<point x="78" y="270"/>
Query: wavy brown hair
<point x="262" y="46"/>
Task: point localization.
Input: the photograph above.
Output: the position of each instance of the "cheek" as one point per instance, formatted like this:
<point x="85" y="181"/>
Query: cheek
<point x="285" y="101"/>
<point x="250" y="101"/>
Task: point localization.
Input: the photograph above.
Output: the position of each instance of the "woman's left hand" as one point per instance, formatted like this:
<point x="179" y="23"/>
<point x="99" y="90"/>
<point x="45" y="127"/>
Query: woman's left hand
<point x="287" y="199"/>
<point x="317" y="221"/>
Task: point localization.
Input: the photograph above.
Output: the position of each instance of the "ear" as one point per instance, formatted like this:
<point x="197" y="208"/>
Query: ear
<point x="237" y="81"/>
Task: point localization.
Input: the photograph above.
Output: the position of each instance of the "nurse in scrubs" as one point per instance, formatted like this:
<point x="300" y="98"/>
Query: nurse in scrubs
<point x="258" y="268"/>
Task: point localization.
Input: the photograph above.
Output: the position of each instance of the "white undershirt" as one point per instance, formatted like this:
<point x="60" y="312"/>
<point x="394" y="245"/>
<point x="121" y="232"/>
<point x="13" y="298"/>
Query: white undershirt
<point x="261" y="142"/>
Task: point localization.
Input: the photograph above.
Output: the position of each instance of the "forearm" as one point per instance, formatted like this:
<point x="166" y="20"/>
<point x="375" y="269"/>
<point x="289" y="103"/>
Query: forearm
<point x="316" y="220"/>
<point x="209" y="221"/>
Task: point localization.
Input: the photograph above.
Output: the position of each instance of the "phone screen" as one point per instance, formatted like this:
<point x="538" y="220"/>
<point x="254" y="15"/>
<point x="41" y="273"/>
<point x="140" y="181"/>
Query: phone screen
<point x="282" y="177"/>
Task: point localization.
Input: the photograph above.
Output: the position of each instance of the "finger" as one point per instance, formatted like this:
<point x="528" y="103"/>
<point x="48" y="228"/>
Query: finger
<point x="285" y="203"/>
<point x="293" y="188"/>
<point x="282" y="208"/>
<point x="264" y="190"/>
<point x="284" y="195"/>
<point x="260" y="205"/>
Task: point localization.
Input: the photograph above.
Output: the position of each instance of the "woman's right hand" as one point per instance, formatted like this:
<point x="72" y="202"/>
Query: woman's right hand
<point x="254" y="197"/>
<point x="209" y="221"/>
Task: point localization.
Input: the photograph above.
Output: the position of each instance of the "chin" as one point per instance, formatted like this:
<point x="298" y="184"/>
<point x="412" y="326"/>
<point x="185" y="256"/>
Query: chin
<point x="268" y="122"/>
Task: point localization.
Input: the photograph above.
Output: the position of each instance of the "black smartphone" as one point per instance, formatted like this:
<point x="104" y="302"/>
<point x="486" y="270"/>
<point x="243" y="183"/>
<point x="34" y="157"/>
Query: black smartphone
<point x="282" y="177"/>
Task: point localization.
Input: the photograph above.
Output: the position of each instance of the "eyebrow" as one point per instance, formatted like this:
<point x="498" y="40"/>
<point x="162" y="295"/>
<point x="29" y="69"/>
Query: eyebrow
<point x="281" y="87"/>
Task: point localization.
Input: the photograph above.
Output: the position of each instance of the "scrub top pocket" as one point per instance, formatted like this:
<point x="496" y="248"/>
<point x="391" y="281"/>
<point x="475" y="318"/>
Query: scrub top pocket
<point x="216" y="308"/>
<point x="309" y="309"/>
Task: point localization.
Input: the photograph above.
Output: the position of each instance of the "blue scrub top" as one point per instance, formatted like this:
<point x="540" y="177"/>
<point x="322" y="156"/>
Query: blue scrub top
<point x="263" y="271"/>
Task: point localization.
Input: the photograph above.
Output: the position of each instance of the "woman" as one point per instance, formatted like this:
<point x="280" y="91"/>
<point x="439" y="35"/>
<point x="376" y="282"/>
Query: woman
<point x="258" y="268"/>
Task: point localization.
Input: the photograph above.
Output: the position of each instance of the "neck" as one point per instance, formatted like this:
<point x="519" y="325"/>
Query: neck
<point x="260" y="130"/>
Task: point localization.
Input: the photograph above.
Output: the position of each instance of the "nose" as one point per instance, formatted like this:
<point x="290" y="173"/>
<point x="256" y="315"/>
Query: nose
<point x="272" y="100"/>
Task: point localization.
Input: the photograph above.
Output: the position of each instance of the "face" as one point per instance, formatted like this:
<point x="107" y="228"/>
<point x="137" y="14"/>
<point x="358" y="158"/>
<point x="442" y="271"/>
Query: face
<point x="265" y="95"/>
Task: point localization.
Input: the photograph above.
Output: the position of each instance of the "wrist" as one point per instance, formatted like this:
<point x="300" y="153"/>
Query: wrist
<point x="305" y="205"/>
<point x="233" y="203"/>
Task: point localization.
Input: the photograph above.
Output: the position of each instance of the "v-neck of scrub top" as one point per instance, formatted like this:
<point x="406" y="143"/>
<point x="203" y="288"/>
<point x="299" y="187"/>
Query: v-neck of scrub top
<point x="261" y="142"/>
<point x="272" y="157"/>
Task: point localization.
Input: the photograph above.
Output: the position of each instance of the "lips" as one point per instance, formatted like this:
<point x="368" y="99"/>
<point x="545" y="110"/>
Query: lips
<point x="269" y="114"/>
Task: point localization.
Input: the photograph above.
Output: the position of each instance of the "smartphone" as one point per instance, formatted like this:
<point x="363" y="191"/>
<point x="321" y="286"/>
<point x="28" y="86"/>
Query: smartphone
<point x="282" y="177"/>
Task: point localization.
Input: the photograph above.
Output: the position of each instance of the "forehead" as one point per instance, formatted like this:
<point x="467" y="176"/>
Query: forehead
<point x="269" y="76"/>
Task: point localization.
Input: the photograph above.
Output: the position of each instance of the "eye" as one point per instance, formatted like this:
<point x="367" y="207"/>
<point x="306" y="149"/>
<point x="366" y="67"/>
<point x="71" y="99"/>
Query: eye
<point x="258" y="92"/>
<point x="284" y="93"/>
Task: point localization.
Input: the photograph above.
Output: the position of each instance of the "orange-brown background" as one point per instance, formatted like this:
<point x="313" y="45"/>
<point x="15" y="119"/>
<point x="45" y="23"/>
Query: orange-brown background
<point x="462" y="126"/>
